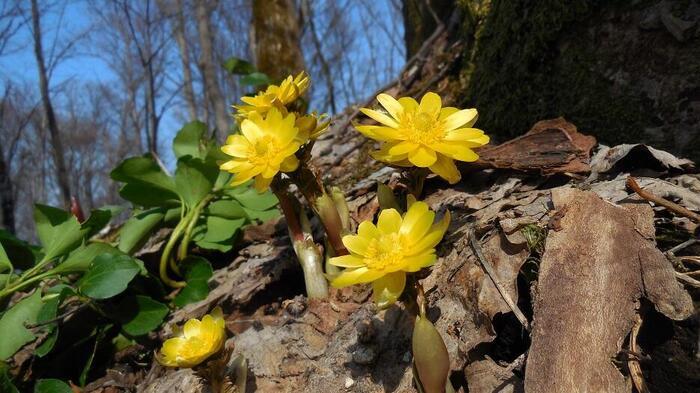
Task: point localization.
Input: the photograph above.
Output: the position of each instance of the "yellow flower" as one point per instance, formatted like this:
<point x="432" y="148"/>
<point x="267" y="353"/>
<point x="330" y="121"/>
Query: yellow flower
<point x="425" y="135"/>
<point x="275" y="96"/>
<point x="265" y="147"/>
<point x="382" y="254"/>
<point x="197" y="341"/>
<point x="312" y="125"/>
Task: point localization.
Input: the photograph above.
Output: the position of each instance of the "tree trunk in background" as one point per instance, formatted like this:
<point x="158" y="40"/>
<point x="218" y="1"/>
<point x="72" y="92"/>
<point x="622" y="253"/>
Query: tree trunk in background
<point x="57" y="146"/>
<point x="276" y="38"/>
<point x="208" y="66"/>
<point x="626" y="73"/>
<point x="421" y="18"/>
<point x="179" y="30"/>
<point x="7" y="199"/>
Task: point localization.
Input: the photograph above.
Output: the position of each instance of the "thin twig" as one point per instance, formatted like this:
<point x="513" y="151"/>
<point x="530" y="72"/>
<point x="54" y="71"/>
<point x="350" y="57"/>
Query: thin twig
<point x="633" y="361"/>
<point x="684" y="278"/>
<point x="683" y="245"/>
<point x="494" y="278"/>
<point x="674" y="207"/>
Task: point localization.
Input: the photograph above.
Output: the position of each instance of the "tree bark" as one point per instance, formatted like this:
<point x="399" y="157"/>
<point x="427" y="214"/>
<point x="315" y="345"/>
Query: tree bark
<point x="421" y="18"/>
<point x="277" y="37"/>
<point x="57" y="145"/>
<point x="180" y="37"/>
<point x="209" y="68"/>
<point x="7" y="199"/>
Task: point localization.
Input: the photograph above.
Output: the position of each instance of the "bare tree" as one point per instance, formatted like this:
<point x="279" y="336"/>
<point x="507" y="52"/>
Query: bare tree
<point x="50" y="117"/>
<point x="211" y="85"/>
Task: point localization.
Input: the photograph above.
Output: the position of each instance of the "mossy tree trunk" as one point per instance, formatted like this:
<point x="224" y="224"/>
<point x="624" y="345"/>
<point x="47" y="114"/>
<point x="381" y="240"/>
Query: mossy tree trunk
<point x="626" y="72"/>
<point x="276" y="38"/>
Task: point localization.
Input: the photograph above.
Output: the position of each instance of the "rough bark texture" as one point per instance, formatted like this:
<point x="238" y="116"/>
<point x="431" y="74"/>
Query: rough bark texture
<point x="208" y="66"/>
<point x="621" y="71"/>
<point x="276" y="38"/>
<point x="599" y="260"/>
<point x="51" y="123"/>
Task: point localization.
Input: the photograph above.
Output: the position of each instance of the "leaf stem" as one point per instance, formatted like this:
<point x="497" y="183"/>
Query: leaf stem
<point x="193" y="217"/>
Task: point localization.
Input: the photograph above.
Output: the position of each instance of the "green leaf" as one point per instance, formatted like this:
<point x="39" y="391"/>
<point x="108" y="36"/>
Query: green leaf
<point x="12" y="325"/>
<point x="218" y="229"/>
<point x="19" y="252"/>
<point x="262" y="215"/>
<point x="109" y="275"/>
<point x="225" y="208"/>
<point x="6" y="385"/>
<point x="224" y="246"/>
<point x="194" y="179"/>
<point x="136" y="230"/>
<point x="142" y="194"/>
<point x="141" y="314"/>
<point x="256" y="79"/>
<point x="5" y="264"/>
<point x="49" y="342"/>
<point x="52" y="386"/>
<point x="234" y="65"/>
<point x="80" y="259"/>
<point x="191" y="141"/>
<point x="197" y="272"/>
<point x="144" y="170"/>
<point x="98" y="219"/>
<point x="251" y="199"/>
<point x="59" y="232"/>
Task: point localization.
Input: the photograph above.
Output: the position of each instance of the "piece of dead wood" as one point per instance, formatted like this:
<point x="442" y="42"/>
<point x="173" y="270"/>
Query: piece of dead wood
<point x="551" y="146"/>
<point x="488" y="267"/>
<point x="674" y="207"/>
<point x="593" y="272"/>
<point x="485" y="376"/>
<point x="636" y="156"/>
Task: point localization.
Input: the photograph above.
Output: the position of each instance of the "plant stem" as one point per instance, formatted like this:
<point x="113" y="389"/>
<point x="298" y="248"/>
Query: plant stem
<point x="306" y="250"/>
<point x="416" y="178"/>
<point x="193" y="217"/>
<point x="322" y="204"/>
<point x="24" y="284"/>
<point x="165" y="257"/>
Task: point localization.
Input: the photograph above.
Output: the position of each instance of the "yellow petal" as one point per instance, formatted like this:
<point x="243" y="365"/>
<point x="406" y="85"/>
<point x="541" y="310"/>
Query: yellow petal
<point x="447" y="111"/>
<point x="457" y="150"/>
<point x="472" y="135"/>
<point x="290" y="164"/>
<point x="349" y="277"/>
<point x="235" y="166"/>
<point x="431" y="104"/>
<point x="432" y="238"/>
<point x="356" y="244"/>
<point x="391" y="105"/>
<point x="410" y="200"/>
<point x="239" y="150"/>
<point x="417" y="262"/>
<point x="386" y="290"/>
<point x="402" y="147"/>
<point x="460" y="118"/>
<point x="408" y="104"/>
<point x="251" y="131"/>
<point x="380" y="117"/>
<point x="347" y="261"/>
<point x="367" y="230"/>
<point x="417" y="221"/>
<point x="262" y="183"/>
<point x="445" y="168"/>
<point x="422" y="157"/>
<point x="389" y="221"/>
<point x="192" y="328"/>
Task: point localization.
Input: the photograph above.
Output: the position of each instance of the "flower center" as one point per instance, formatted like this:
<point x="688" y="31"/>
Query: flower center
<point x="421" y="128"/>
<point x="384" y="252"/>
<point x="263" y="151"/>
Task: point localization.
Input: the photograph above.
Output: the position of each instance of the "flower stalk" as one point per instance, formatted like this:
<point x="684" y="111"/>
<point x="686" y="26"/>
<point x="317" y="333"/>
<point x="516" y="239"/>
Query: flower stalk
<point x="306" y="250"/>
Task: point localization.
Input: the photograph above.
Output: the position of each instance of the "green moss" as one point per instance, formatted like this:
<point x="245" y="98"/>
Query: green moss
<point x="524" y="63"/>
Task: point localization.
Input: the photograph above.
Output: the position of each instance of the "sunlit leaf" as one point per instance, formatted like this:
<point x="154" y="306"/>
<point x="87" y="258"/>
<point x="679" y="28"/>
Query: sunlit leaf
<point x="194" y="179"/>
<point x="136" y="230"/>
<point x="109" y="275"/>
<point x="142" y="194"/>
<point x="12" y="324"/>
<point x="235" y="65"/>
<point x="225" y="208"/>
<point x="190" y="141"/>
<point x="58" y="231"/>
<point x="256" y="79"/>
<point x="80" y="259"/>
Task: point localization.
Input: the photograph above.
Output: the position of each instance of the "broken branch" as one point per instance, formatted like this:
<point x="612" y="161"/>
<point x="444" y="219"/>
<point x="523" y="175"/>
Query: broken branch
<point x="674" y="207"/>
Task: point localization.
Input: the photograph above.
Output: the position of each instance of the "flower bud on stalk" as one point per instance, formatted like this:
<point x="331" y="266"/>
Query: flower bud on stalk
<point x="430" y="357"/>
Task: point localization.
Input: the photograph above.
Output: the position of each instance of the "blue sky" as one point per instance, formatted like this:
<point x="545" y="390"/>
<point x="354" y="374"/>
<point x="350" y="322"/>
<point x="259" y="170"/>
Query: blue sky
<point x="59" y="25"/>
